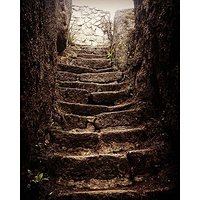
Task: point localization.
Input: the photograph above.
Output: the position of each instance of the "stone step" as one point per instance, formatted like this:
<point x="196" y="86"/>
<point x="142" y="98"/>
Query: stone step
<point x="90" y="110"/>
<point x="135" y="165"/>
<point x="109" y="97"/>
<point x="71" y="121"/>
<point x="165" y="178"/>
<point x="93" y="87"/>
<point x="98" y="166"/>
<point x="73" y="140"/>
<point x="105" y="77"/>
<point x="112" y="140"/>
<point x="73" y="95"/>
<point x="66" y="76"/>
<point x="92" y="55"/>
<point x="79" y="69"/>
<point x="140" y="136"/>
<point x="82" y="96"/>
<point x="90" y="50"/>
<point x="148" y="193"/>
<point x="131" y="117"/>
<point x="94" y="184"/>
<point x="148" y="162"/>
<point x="98" y="63"/>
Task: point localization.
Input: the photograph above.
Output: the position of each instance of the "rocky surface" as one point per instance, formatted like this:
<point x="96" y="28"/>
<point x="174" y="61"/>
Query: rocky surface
<point x="63" y="17"/>
<point x="90" y="26"/>
<point x="40" y="27"/>
<point x="122" y="42"/>
<point x="103" y="144"/>
<point x="111" y="136"/>
<point x="156" y="52"/>
<point x="156" y="61"/>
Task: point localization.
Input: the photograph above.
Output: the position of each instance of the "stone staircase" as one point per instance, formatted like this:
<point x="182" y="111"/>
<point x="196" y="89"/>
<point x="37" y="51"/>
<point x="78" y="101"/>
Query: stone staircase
<point x="104" y="144"/>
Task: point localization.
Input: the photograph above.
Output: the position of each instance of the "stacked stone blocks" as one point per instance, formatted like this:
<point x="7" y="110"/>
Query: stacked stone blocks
<point x="90" y="26"/>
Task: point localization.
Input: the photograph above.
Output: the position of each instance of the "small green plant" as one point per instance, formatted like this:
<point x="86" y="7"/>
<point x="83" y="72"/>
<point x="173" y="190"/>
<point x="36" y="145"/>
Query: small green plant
<point x="39" y="177"/>
<point x="130" y="88"/>
<point x="115" y="68"/>
<point x="110" y="54"/>
<point x="138" y="178"/>
<point x="71" y="39"/>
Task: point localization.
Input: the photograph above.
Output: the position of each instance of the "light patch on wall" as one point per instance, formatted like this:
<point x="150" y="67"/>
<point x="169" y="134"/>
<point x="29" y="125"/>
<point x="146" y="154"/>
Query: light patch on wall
<point x="107" y="5"/>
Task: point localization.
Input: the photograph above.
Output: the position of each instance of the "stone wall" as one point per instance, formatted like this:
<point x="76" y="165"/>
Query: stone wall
<point x="156" y="61"/>
<point x="124" y="22"/>
<point x="40" y="25"/>
<point x="90" y="26"/>
<point x="64" y="12"/>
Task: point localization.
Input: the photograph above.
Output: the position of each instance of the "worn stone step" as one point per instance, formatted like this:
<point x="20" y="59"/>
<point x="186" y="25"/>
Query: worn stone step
<point x="79" y="69"/>
<point x="137" y="165"/>
<point x="129" y="193"/>
<point x="92" y="55"/>
<point x="66" y="76"/>
<point x="105" y="77"/>
<point x="105" y="166"/>
<point x="94" y="184"/>
<point x="149" y="162"/>
<point x="72" y="95"/>
<point x="73" y="140"/>
<point x="90" y="50"/>
<point x="139" y="136"/>
<point x="90" y="110"/>
<point x="98" y="63"/>
<point x="109" y="97"/>
<point x="110" y="140"/>
<point x="131" y="117"/>
<point x="93" y="87"/>
<point x="74" y="69"/>
<point x="84" y="143"/>
<point x="165" y="178"/>
<point x="71" y="121"/>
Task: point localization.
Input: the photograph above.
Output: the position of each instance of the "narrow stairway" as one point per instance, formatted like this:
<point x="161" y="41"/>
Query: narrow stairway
<point x="103" y="144"/>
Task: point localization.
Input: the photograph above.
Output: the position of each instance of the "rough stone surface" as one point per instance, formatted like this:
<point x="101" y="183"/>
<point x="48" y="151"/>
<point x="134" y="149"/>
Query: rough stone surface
<point x="128" y="194"/>
<point x="101" y="77"/>
<point x="114" y="152"/>
<point x="91" y="50"/>
<point x="94" y="184"/>
<point x="121" y="134"/>
<point x="63" y="20"/>
<point x="73" y="95"/>
<point x="94" y="87"/>
<point x="90" y="26"/>
<point x="75" y="69"/>
<point x="109" y="97"/>
<point x="87" y="55"/>
<point x="120" y="118"/>
<point x="150" y="160"/>
<point x="87" y="167"/>
<point x="70" y="121"/>
<point x="75" y="140"/>
<point x="105" y="77"/>
<point x="156" y="57"/>
<point x="40" y="26"/>
<point x="122" y="37"/>
<point x="66" y="76"/>
<point x="92" y="63"/>
<point x="89" y="109"/>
